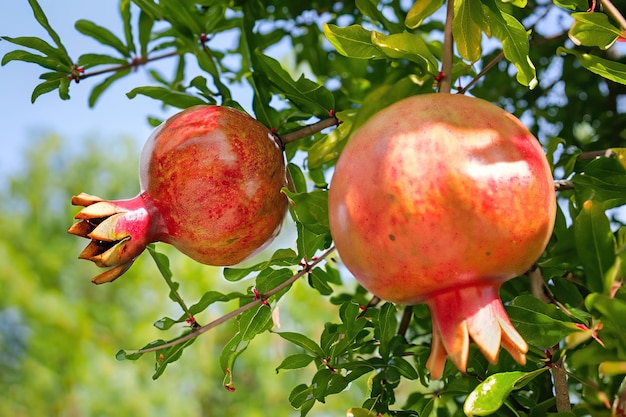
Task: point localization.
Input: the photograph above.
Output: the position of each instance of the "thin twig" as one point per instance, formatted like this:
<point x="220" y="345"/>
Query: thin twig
<point x="614" y="13"/>
<point x="563" y="185"/>
<point x="257" y="301"/>
<point x="448" y="51"/>
<point x="132" y="64"/>
<point x="482" y="73"/>
<point x="407" y="314"/>
<point x="309" y="130"/>
<point x="559" y="375"/>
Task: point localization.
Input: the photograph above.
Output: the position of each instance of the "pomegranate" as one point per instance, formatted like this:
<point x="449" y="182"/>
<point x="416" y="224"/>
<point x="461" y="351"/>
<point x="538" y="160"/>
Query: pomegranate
<point x="440" y="198"/>
<point x="211" y="180"/>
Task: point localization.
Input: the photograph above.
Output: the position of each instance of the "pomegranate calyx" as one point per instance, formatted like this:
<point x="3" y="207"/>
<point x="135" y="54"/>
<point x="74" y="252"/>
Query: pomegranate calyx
<point x="117" y="231"/>
<point x="474" y="312"/>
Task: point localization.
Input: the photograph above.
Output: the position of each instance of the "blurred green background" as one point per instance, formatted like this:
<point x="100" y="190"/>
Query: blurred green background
<point x="59" y="333"/>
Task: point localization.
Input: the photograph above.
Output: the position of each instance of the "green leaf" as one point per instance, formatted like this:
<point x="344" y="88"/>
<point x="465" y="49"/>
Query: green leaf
<point x="408" y="46"/>
<point x="168" y="355"/>
<point x="101" y="87"/>
<point x="297" y="361"/>
<point x="308" y="95"/>
<point x="43" y="21"/>
<point x="604" y="181"/>
<point x="146" y="22"/>
<point x="300" y="395"/>
<point x="490" y="394"/>
<point x="611" y="308"/>
<point x="466" y="28"/>
<point x="327" y="149"/>
<point x="420" y="10"/>
<point x="43" y="88"/>
<point x="250" y="323"/>
<point x="150" y="8"/>
<point x="540" y="323"/>
<point x="46" y="62"/>
<point x="593" y="29"/>
<point x="268" y="279"/>
<point x="309" y="243"/>
<point x="182" y="17"/>
<point x="514" y="40"/>
<point x="572" y="4"/>
<point x="311" y="209"/>
<point x="102" y="35"/>
<point x="41" y="46"/>
<point x="595" y="244"/>
<point x="92" y="60"/>
<point x="610" y="70"/>
<point x="282" y="257"/>
<point x="404" y="367"/>
<point x="304" y="342"/>
<point x="369" y="8"/>
<point x="167" y="96"/>
<point x="319" y="280"/>
<point x="352" y="41"/>
<point x="387" y="325"/>
<point x="128" y="27"/>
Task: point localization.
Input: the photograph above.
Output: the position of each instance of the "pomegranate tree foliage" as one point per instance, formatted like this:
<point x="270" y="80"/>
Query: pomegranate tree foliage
<point x="556" y="65"/>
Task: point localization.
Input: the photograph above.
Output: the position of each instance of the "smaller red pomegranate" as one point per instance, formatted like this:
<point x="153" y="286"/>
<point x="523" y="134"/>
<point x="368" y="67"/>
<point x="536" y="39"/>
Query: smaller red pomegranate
<point x="211" y="180"/>
<point x="440" y="198"/>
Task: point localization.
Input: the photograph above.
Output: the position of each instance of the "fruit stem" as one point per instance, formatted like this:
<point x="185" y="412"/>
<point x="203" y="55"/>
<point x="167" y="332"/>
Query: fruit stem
<point x="445" y="84"/>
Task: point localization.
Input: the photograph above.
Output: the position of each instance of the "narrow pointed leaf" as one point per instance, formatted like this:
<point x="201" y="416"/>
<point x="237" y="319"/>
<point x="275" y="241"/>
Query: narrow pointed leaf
<point x="304" y="342"/>
<point x="308" y="95"/>
<point x="466" y="29"/>
<point x="420" y="11"/>
<point x="353" y="41"/>
<point x="514" y="38"/>
<point x="43" y="88"/>
<point x="102" y="35"/>
<point x="39" y="45"/>
<point x="43" y="21"/>
<point x="611" y="70"/>
<point x="167" y="96"/>
<point x="593" y="29"/>
<point x="46" y="62"/>
<point x="594" y="243"/>
<point x="128" y="27"/>
<point x="101" y="87"/>
<point x="408" y="46"/>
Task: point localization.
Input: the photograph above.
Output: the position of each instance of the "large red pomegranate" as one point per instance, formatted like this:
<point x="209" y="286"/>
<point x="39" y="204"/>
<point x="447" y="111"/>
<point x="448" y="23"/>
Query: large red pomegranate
<point x="211" y="180"/>
<point x="440" y="198"/>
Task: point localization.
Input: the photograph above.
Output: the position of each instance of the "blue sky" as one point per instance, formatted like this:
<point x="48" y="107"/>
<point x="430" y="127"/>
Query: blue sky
<point x="113" y="116"/>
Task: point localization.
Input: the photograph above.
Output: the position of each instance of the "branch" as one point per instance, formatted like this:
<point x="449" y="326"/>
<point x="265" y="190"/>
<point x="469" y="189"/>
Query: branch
<point x="482" y="73"/>
<point x="559" y="375"/>
<point x="612" y="11"/>
<point x="407" y="314"/>
<point x="448" y="51"/>
<point x="563" y="185"/>
<point x="257" y="301"/>
<point x="309" y="130"/>
<point x="136" y="62"/>
<point x="561" y="391"/>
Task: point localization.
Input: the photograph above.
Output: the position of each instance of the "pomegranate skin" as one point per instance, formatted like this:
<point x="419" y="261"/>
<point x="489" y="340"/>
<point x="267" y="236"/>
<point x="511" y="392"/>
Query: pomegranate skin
<point x="211" y="180"/>
<point x="441" y="197"/>
<point x="215" y="175"/>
